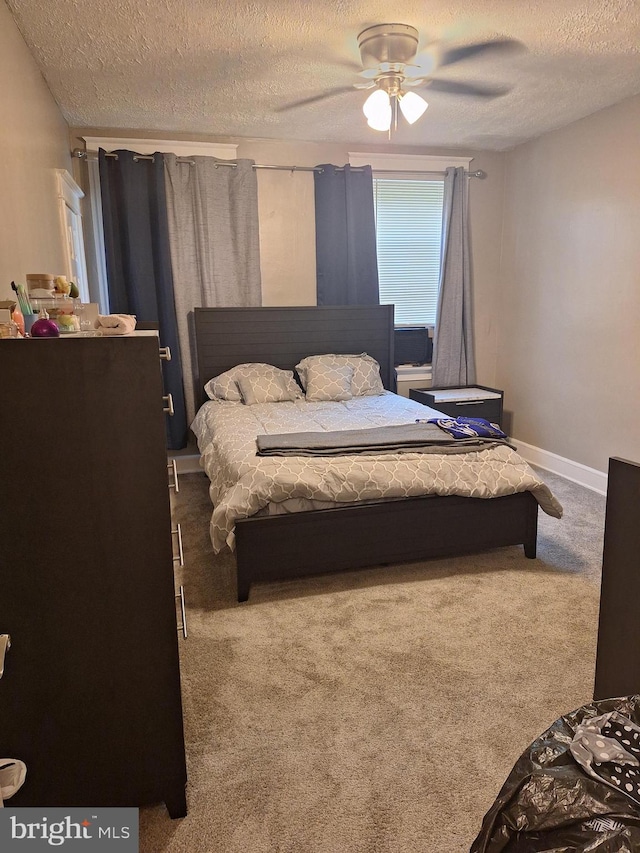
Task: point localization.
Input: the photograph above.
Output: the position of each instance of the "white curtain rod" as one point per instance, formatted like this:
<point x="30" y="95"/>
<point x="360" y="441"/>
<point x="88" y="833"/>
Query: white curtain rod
<point x="83" y="154"/>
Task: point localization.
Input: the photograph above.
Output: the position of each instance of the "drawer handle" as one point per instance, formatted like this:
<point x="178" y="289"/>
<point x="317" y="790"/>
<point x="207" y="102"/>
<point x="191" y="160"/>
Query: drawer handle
<point x="173" y="468"/>
<point x="5" y="645"/>
<point x="183" y="613"/>
<point x="471" y="402"/>
<point x="180" y="558"/>
<point x="169" y="407"/>
<point x="165" y="353"/>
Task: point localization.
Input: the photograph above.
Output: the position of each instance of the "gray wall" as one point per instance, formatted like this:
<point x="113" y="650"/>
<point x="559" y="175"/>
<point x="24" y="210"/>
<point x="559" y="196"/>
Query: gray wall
<point x="569" y="300"/>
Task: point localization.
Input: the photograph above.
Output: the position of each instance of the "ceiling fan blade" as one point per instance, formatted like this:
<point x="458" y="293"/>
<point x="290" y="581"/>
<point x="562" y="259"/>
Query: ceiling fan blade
<point x="340" y="90"/>
<point x="422" y="65"/>
<point x="494" y="47"/>
<point x="455" y="87"/>
<point x="312" y="56"/>
<point x="355" y="67"/>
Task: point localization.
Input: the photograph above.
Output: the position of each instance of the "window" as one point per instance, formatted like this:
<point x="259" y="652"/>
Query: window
<point x="408" y="212"/>
<point x="408" y="193"/>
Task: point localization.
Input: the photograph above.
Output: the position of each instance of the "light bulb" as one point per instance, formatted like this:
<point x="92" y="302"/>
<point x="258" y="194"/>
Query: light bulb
<point x="412" y="106"/>
<point x="382" y="121"/>
<point x="377" y="109"/>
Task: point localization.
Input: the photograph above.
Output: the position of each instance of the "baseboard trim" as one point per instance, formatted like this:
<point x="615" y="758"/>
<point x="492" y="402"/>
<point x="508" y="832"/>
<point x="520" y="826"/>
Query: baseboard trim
<point x="567" y="468"/>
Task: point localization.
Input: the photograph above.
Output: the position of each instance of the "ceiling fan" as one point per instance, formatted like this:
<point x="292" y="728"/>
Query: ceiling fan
<point x="391" y="65"/>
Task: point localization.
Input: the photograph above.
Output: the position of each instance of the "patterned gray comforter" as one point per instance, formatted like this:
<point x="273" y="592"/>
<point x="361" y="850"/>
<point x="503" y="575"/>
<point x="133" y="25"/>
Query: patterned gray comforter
<point x="243" y="484"/>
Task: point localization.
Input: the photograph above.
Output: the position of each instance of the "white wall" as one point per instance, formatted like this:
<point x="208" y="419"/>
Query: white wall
<point x="33" y="143"/>
<point x="569" y="299"/>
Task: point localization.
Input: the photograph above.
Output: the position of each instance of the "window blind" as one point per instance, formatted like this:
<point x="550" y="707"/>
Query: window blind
<point x="408" y="235"/>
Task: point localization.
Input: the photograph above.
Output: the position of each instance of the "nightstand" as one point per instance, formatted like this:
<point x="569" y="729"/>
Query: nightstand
<point x="467" y="401"/>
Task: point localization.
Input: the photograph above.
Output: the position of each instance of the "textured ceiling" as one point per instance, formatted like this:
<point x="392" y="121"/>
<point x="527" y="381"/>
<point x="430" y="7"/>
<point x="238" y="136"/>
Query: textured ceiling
<point x="224" y="68"/>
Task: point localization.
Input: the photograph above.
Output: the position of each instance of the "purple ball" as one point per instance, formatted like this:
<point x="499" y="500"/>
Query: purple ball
<point x="45" y="329"/>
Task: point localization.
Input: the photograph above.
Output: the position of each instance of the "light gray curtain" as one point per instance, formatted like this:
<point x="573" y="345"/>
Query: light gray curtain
<point x="215" y="250"/>
<point x="453" y="352"/>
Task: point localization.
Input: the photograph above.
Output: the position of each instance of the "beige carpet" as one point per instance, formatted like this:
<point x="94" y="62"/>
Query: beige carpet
<point x="380" y="710"/>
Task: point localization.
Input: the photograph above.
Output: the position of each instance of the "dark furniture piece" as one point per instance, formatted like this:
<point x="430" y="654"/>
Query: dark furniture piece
<point x="467" y="401"/>
<point x="412" y="346"/>
<point x="304" y="543"/>
<point x="90" y="696"/>
<point x="618" y="655"/>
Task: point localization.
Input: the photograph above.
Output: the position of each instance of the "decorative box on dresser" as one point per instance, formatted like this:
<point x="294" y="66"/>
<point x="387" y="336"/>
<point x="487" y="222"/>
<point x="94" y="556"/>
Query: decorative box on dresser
<point x="90" y="696"/>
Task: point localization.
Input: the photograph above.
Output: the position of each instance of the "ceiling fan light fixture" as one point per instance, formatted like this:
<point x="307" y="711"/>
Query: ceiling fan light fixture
<point x="412" y="106"/>
<point x="377" y="109"/>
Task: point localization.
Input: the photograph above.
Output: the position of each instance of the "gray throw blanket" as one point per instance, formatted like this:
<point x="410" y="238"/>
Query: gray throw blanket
<point x="403" y="438"/>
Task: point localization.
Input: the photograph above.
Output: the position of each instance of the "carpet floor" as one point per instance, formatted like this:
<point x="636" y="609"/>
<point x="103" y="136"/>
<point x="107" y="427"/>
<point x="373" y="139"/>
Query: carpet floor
<point x="378" y="710"/>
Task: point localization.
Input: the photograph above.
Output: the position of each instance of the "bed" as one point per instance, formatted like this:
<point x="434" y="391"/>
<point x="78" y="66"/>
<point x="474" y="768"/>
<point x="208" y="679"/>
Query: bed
<point x="348" y="534"/>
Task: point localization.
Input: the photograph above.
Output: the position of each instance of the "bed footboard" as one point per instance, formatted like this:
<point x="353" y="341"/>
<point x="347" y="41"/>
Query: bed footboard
<point x="319" y="541"/>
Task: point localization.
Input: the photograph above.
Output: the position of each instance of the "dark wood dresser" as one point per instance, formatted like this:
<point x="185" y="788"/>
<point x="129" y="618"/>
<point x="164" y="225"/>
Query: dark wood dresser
<point x="90" y="697"/>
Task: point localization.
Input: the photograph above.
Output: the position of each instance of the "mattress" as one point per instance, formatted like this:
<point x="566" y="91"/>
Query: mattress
<point x="243" y="484"/>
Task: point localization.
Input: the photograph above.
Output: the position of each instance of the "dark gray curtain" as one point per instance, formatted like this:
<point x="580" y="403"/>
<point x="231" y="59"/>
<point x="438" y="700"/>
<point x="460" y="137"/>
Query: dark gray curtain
<point x="139" y="262"/>
<point x="453" y="360"/>
<point x="346" y="257"/>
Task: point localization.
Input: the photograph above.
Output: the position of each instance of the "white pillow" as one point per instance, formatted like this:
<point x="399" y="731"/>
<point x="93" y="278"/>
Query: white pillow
<point x="366" y="381"/>
<point x="225" y="386"/>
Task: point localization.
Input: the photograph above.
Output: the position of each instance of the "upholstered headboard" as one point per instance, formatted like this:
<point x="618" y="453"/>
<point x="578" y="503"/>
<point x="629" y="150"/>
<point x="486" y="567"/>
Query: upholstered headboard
<point x="283" y="336"/>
